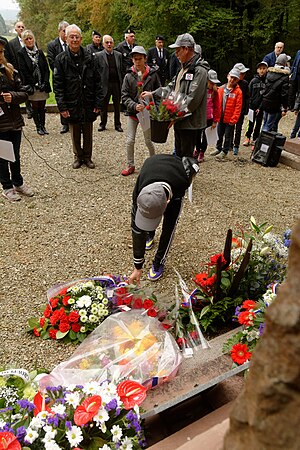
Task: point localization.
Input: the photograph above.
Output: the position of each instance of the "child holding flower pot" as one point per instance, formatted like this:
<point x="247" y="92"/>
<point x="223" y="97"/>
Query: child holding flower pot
<point x="138" y="78"/>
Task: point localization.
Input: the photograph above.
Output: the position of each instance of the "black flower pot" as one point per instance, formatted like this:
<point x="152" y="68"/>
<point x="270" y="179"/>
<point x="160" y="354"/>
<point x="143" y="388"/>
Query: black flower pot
<point x="159" y="131"/>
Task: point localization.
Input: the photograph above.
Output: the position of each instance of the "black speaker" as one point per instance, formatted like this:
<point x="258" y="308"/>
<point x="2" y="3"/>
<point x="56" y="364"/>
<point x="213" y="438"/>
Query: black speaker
<point x="268" y="148"/>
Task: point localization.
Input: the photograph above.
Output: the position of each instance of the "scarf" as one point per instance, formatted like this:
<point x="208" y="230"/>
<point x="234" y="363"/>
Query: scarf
<point x="34" y="57"/>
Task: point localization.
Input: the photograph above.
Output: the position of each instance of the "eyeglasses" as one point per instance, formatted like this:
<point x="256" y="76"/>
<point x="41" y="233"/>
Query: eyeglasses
<point x="75" y="37"/>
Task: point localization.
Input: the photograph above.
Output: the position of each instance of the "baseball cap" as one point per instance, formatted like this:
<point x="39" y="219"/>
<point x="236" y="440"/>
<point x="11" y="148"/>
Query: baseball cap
<point x="282" y="59"/>
<point x="213" y="76"/>
<point x="151" y="204"/>
<point x="262" y="63"/>
<point x="138" y="49"/>
<point x="241" y="67"/>
<point x="183" y="40"/>
<point x="235" y="73"/>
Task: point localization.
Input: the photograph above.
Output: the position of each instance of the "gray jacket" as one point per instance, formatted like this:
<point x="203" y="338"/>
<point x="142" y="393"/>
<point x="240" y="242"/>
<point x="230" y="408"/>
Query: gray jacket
<point x="194" y="85"/>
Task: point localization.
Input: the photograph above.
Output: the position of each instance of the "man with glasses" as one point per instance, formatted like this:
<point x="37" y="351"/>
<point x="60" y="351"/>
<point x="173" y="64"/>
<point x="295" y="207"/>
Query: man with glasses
<point x="110" y="65"/>
<point x="54" y="48"/>
<point x="78" y="93"/>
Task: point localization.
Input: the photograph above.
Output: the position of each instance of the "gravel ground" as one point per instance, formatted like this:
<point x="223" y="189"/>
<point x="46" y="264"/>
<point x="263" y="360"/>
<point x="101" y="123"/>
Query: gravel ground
<point x="78" y="224"/>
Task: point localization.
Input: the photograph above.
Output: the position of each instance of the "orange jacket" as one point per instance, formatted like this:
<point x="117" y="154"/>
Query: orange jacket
<point x="233" y="105"/>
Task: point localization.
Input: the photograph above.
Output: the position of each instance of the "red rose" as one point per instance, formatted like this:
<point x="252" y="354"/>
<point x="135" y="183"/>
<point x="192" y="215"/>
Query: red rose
<point x="148" y="107"/>
<point x="63" y="291"/>
<point x="148" y="303"/>
<point x="166" y="326"/>
<point x="48" y="311"/>
<point x="73" y="317"/>
<point x="181" y="113"/>
<point x="151" y="103"/>
<point x="240" y="353"/>
<point x="42" y="321"/>
<point x="121" y="291"/>
<point x="140" y="84"/>
<point x="181" y="342"/>
<point x="52" y="333"/>
<point x="36" y="332"/>
<point x="65" y="300"/>
<point x="53" y="302"/>
<point x="76" y="327"/>
<point x="120" y="301"/>
<point x="151" y="312"/>
<point x="127" y="299"/>
<point x="64" y="326"/>
<point x="138" y="303"/>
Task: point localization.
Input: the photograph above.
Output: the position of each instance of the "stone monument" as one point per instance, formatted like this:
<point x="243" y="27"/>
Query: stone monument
<point x="266" y="415"/>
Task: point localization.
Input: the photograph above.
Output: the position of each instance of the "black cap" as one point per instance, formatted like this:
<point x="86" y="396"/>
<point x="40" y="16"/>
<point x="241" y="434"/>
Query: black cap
<point x="160" y="37"/>
<point x="96" y="33"/>
<point x="3" y="40"/>
<point x="129" y="31"/>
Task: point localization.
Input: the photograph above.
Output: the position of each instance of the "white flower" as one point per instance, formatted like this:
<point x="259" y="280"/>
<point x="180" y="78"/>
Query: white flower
<point x="116" y="432"/>
<point x="74" y="436"/>
<point x="52" y="445"/>
<point x="58" y="409"/>
<point x="105" y="447"/>
<point x="31" y="435"/>
<point x="73" y="399"/>
<point x="36" y="423"/>
<point x="105" y="301"/>
<point x="101" y="416"/>
<point x="71" y="301"/>
<point x="84" y="301"/>
<point x="42" y="415"/>
<point x="126" y="444"/>
<point x="92" y="387"/>
<point x="93" y="318"/>
<point x="50" y="432"/>
<point x="71" y="387"/>
<point x="137" y="411"/>
<point x="82" y="312"/>
<point x="82" y="329"/>
<point x="103" y="427"/>
<point x="83" y="319"/>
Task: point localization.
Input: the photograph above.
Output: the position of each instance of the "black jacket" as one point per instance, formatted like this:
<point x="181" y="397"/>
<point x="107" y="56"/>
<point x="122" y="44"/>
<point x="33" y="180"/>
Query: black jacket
<point x="26" y="68"/>
<point x="244" y="86"/>
<point x="130" y="95"/>
<point x="162" y="64"/>
<point x="256" y="89"/>
<point x="77" y="88"/>
<point x="92" y="49"/>
<point x="167" y="168"/>
<point x="276" y="93"/>
<point x="11" y="51"/>
<point x="54" y="48"/>
<point x="125" y="51"/>
<point x="12" y="118"/>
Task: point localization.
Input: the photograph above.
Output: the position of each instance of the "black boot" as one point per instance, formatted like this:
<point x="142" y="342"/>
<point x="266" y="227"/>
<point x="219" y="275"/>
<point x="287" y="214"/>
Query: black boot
<point x="37" y="121"/>
<point x="43" y="120"/>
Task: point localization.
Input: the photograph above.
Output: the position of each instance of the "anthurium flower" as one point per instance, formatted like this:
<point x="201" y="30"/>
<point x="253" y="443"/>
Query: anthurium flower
<point x="240" y="353"/>
<point x="131" y="393"/>
<point x="87" y="410"/>
<point x="8" y="441"/>
<point x="40" y="404"/>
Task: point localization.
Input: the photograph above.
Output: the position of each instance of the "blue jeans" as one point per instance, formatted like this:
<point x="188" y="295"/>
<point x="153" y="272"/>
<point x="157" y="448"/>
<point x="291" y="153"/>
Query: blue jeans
<point x="10" y="172"/>
<point x="295" y="130"/>
<point x="224" y="132"/>
<point x="271" y="121"/>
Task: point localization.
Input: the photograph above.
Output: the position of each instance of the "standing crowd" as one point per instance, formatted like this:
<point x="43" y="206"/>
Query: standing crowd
<point x="86" y="78"/>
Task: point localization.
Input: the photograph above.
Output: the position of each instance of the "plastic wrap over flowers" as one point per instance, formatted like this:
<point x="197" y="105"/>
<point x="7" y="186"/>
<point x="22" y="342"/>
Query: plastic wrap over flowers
<point x="126" y="345"/>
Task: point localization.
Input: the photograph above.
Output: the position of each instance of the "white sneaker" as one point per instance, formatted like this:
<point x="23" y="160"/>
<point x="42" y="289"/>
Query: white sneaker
<point x="11" y="195"/>
<point x="25" y="190"/>
<point x="221" y="155"/>
<point x="215" y="152"/>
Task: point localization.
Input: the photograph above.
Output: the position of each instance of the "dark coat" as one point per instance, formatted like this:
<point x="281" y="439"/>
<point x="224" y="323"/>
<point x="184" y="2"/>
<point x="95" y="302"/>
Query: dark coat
<point x="125" y="51"/>
<point x="174" y="65"/>
<point x="92" y="49"/>
<point x="130" y="96"/>
<point x="101" y="59"/>
<point x="77" y="91"/>
<point x="275" y="96"/>
<point x="54" y="48"/>
<point x="270" y="59"/>
<point x="11" y="52"/>
<point x="244" y="86"/>
<point x="12" y="118"/>
<point x="162" y="64"/>
<point x="26" y="68"/>
<point x="256" y="89"/>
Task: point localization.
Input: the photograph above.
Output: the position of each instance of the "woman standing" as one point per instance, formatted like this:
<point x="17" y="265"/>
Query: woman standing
<point x="12" y="94"/>
<point x="35" y="73"/>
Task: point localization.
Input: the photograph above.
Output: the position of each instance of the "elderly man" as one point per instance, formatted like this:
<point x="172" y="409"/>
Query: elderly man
<point x="158" y="57"/>
<point x="270" y="58"/>
<point x="95" y="46"/>
<point x="78" y="93"/>
<point x="191" y="81"/>
<point x="54" y="48"/>
<point x="125" y="48"/>
<point x="110" y="64"/>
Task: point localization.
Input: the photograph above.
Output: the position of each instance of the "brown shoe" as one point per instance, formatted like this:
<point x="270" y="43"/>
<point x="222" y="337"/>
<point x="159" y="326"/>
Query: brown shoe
<point x="89" y="163"/>
<point x="77" y="164"/>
